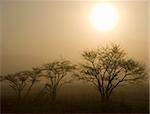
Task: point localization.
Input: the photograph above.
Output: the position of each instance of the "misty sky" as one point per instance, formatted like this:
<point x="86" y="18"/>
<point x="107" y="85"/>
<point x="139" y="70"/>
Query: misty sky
<point x="35" y="33"/>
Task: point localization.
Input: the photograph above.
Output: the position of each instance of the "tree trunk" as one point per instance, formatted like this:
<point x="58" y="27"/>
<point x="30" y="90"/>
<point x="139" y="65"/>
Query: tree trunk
<point x="19" y="96"/>
<point x="105" y="103"/>
<point x="105" y="99"/>
<point x="53" y="97"/>
<point x="53" y="94"/>
<point x="28" y="91"/>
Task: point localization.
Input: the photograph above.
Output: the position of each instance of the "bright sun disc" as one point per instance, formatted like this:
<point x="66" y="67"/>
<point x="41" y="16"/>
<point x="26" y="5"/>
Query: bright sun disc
<point x="104" y="16"/>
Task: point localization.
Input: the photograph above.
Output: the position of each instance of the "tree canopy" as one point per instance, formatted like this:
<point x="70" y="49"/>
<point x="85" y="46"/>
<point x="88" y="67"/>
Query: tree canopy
<point x="108" y="67"/>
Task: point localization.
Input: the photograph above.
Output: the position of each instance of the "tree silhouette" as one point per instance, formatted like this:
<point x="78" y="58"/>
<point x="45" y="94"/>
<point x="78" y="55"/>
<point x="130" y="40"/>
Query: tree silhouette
<point x="33" y="78"/>
<point x="57" y="74"/>
<point x="18" y="82"/>
<point x="108" y="67"/>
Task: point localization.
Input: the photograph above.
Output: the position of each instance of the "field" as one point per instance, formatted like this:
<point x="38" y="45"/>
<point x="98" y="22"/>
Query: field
<point x="81" y="99"/>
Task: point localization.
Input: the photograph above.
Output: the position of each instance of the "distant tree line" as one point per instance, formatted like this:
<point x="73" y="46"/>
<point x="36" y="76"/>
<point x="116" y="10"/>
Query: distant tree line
<point x="55" y="73"/>
<point x="106" y="68"/>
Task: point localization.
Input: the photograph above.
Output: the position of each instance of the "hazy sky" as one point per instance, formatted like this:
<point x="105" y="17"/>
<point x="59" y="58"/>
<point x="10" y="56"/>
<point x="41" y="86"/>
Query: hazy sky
<point x="35" y="33"/>
<point x="0" y="37"/>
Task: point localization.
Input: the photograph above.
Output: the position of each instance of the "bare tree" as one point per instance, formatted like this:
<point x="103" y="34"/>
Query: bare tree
<point x="57" y="74"/>
<point x="33" y="77"/>
<point x="108" y="67"/>
<point x="18" y="82"/>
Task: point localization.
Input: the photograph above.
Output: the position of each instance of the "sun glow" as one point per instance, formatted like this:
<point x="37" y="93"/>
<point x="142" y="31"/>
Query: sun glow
<point x="104" y="16"/>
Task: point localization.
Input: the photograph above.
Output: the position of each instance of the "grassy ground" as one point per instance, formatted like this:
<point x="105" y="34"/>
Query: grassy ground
<point x="80" y="99"/>
<point x="74" y="106"/>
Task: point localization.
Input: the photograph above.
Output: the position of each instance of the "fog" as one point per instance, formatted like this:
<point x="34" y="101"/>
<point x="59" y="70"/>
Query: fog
<point x="38" y="32"/>
<point x="35" y="33"/>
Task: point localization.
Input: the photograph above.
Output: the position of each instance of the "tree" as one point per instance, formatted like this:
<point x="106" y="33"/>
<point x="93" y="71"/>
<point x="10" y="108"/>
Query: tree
<point x="18" y="82"/>
<point x="33" y="78"/>
<point x="57" y="74"/>
<point x="109" y="67"/>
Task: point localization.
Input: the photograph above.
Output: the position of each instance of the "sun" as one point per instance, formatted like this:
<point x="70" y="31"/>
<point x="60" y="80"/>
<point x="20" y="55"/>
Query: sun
<point x="104" y="16"/>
